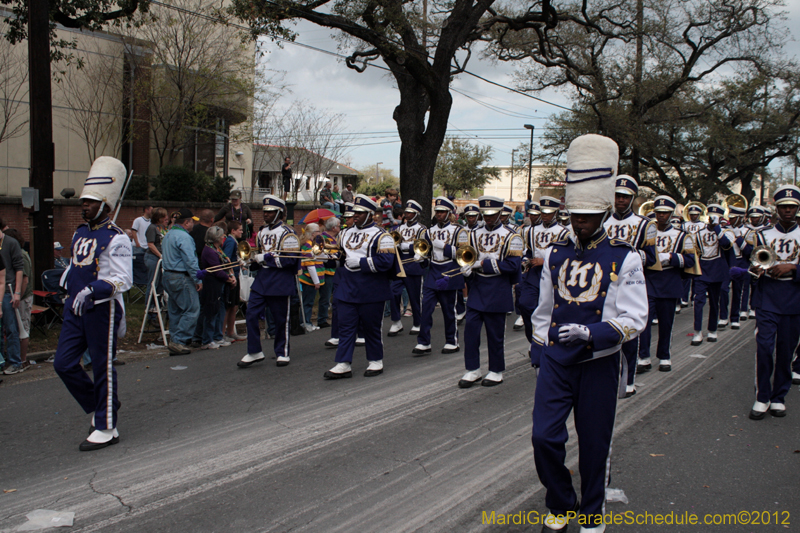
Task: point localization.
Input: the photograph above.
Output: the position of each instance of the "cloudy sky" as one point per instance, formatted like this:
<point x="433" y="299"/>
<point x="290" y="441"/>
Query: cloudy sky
<point x="488" y="114"/>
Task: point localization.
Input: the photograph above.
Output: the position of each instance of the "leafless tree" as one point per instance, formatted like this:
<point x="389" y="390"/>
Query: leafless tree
<point x="198" y="73"/>
<point x="93" y="95"/>
<point x="13" y="90"/>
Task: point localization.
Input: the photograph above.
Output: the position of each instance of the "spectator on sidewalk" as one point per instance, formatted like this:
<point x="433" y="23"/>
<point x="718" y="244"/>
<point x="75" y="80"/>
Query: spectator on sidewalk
<point x="180" y="282"/>
<point x="11" y="253"/>
<point x="62" y="257"/>
<point x="139" y="229"/>
<point x="326" y="196"/>
<point x="154" y="234"/>
<point x="347" y="194"/>
<point x="236" y="210"/>
<point x="231" y="249"/>
<point x="337" y="199"/>
<point x="26" y="298"/>
<point x="312" y="275"/>
<point x="211" y="298"/>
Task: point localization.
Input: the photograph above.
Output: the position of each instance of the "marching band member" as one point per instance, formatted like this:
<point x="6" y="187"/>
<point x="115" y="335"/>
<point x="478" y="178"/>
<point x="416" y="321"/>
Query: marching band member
<point x="274" y="284"/>
<point x="505" y="218"/>
<point x="664" y="288"/>
<point x="367" y="262"/>
<point x="593" y="300"/>
<point x="710" y="241"/>
<point x="410" y="230"/>
<point x="777" y="303"/>
<point x="491" y="278"/>
<point x="445" y="239"/>
<point x="564" y="219"/>
<point x="527" y="291"/>
<point x="473" y="219"/>
<point x="640" y="233"/>
<point x="756" y="217"/>
<point x="101" y="270"/>
<point x="333" y="342"/>
<point x="691" y="226"/>
<point x="736" y="215"/>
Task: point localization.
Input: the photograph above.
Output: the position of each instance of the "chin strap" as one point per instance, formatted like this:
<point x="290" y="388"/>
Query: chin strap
<point x="99" y="211"/>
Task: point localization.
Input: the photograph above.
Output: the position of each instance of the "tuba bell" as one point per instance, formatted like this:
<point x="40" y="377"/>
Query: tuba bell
<point x="646" y="208"/>
<point x="244" y="250"/>
<point x="734" y="200"/>
<point x="703" y="211"/>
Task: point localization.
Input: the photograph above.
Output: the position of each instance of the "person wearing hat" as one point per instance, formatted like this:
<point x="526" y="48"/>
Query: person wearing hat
<point x="711" y="241"/>
<point x="776" y="300"/>
<point x="333" y="341"/>
<point x="755" y="223"/>
<point x="410" y="230"/>
<point x="537" y="239"/>
<point x="367" y="262"/>
<point x="691" y="226"/>
<point x="505" y="217"/>
<point x="473" y="220"/>
<point x="236" y="210"/>
<point x="592" y="300"/>
<point x="490" y="279"/>
<point x="60" y="261"/>
<point x="275" y="265"/>
<point x="675" y="250"/>
<point x="94" y="312"/>
<point x="444" y="239"/>
<point x="563" y="218"/>
<point x="180" y="265"/>
<point x="736" y="219"/>
<point x="640" y="233"/>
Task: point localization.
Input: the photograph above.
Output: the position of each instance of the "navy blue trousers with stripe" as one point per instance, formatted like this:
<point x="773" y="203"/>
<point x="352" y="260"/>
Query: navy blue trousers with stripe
<point x="96" y="331"/>
<point x="590" y="389"/>
<point x="495" y="324"/>
<point x="356" y="320"/>
<point x="279" y="308"/>
<point x="413" y="285"/>
<point x="776" y="340"/>
<point x="664" y="310"/>
<point x="713" y="289"/>
<point x="724" y="300"/>
<point x="447" y="301"/>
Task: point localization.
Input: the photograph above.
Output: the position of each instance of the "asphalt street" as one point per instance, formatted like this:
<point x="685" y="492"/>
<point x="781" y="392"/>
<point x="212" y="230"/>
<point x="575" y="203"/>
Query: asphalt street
<point x="216" y="448"/>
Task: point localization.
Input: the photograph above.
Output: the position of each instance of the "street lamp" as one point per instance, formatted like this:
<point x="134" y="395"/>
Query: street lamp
<point x="377" y="172"/>
<point x="511" y="191"/>
<point x="530" y="157"/>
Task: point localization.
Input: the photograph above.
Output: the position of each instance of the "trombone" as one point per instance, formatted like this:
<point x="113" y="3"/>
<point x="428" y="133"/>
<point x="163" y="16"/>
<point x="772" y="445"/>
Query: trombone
<point x="245" y="252"/>
<point x="421" y="248"/>
<point x="465" y="256"/>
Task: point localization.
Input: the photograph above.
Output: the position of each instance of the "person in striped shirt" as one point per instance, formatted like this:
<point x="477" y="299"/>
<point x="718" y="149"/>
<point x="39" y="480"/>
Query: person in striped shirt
<point x="312" y="273"/>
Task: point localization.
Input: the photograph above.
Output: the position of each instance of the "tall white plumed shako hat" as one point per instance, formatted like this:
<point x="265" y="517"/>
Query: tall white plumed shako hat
<point x="591" y="169"/>
<point x="105" y="181"/>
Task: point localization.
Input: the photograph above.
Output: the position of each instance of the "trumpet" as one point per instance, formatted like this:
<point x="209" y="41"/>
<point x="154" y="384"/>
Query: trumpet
<point x="762" y="259"/>
<point x="421" y="248"/>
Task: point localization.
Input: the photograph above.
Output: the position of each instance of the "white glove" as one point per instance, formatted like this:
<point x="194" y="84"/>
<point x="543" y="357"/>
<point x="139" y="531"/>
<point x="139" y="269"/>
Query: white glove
<point x="466" y="270"/>
<point x="664" y="258"/>
<point x="574" y="334"/>
<point x="260" y="258"/>
<point x="713" y="220"/>
<point x="405" y="246"/>
<point x="353" y="263"/>
<point x="79" y="303"/>
<point x="418" y="257"/>
<point x="438" y="245"/>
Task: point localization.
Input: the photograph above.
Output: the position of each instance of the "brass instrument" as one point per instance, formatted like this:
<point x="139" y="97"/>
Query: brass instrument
<point x="465" y="256"/>
<point x="421" y="248"/>
<point x="703" y="215"/>
<point x="762" y="258"/>
<point x="396" y="236"/>
<point x="245" y="250"/>
<point x="697" y="252"/>
<point x="734" y="200"/>
<point x="646" y="208"/>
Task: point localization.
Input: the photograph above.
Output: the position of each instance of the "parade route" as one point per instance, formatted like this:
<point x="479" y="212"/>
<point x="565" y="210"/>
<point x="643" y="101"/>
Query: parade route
<point x="215" y="448"/>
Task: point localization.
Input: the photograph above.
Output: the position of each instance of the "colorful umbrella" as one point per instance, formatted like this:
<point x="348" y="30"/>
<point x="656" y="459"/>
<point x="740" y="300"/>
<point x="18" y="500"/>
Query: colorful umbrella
<point x="318" y="214"/>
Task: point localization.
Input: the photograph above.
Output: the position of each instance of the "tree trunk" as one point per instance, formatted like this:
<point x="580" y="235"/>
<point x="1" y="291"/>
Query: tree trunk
<point x="420" y="142"/>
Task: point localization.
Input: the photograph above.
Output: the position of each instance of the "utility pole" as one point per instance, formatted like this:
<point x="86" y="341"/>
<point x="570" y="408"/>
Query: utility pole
<point x="637" y="85"/>
<point x="377" y="172"/>
<point x="511" y="191"/>
<point x="41" y="136"/>
<point x="530" y="159"/>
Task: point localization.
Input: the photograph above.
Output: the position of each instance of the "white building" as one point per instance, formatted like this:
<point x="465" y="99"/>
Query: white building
<point x="546" y="180"/>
